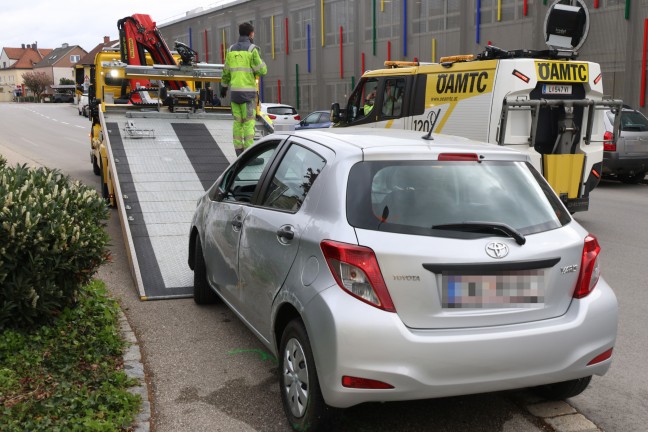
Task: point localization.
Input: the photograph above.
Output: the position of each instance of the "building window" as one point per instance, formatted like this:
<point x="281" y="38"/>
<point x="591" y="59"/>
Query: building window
<point x="75" y="58"/>
<point x="4" y="65"/>
<point x="299" y="33"/>
<point x="435" y="16"/>
<point x="340" y="13"/>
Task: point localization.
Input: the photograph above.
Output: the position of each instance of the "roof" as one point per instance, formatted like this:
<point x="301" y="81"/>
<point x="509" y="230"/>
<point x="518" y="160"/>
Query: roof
<point x="27" y="60"/>
<point x="89" y="58"/>
<point x="14" y="53"/>
<point x="395" y="141"/>
<point x="56" y="55"/>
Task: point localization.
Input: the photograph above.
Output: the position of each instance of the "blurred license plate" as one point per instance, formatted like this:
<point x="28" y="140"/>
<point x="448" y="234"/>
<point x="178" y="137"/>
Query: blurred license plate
<point x="556" y="89"/>
<point x="510" y="290"/>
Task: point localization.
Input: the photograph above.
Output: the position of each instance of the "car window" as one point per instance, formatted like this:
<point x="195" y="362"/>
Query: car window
<point x="312" y="118"/>
<point x="324" y="117"/>
<point x="633" y="121"/>
<point x="240" y="181"/>
<point x="410" y="197"/>
<point x="393" y="97"/>
<point x="293" y="179"/>
<point x="282" y="110"/>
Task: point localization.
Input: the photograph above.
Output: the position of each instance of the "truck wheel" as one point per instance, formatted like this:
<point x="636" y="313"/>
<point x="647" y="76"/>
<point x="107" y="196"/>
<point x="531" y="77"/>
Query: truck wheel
<point x="104" y="186"/>
<point x="301" y="396"/>
<point x="95" y="167"/>
<point x="563" y="390"/>
<point x="202" y="292"/>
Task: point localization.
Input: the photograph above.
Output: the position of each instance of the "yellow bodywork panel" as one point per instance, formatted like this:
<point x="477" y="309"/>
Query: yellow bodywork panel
<point x="564" y="172"/>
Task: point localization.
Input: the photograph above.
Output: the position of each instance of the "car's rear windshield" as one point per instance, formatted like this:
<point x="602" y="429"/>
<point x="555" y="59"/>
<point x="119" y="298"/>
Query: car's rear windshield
<point x="282" y="110"/>
<point x="412" y="197"/>
<point x="633" y="121"/>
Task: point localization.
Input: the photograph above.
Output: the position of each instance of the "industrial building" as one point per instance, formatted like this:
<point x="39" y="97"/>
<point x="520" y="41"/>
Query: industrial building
<point x="316" y="50"/>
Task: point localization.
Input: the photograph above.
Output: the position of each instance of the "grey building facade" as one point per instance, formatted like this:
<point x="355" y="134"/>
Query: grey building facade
<point x="316" y="50"/>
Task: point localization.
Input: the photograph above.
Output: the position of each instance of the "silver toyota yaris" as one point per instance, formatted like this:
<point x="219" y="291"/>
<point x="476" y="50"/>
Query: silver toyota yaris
<point x="378" y="265"/>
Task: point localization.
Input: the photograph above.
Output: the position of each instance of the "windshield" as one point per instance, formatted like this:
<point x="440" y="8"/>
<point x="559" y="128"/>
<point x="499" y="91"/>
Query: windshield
<point x="414" y="197"/>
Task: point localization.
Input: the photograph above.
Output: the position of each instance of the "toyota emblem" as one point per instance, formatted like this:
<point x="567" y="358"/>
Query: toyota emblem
<point x="497" y="250"/>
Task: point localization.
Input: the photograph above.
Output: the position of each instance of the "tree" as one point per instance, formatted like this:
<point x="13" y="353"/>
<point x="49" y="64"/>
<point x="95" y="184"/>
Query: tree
<point x="37" y="82"/>
<point x="66" y="81"/>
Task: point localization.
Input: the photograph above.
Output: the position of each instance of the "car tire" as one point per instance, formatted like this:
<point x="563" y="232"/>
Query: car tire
<point x="80" y="113"/>
<point x="301" y="396"/>
<point x="632" y="178"/>
<point x="563" y="390"/>
<point x="96" y="169"/>
<point x="202" y="292"/>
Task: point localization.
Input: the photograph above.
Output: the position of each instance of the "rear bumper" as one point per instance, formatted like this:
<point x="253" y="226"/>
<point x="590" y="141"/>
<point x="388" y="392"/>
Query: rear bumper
<point x="351" y="338"/>
<point x="613" y="163"/>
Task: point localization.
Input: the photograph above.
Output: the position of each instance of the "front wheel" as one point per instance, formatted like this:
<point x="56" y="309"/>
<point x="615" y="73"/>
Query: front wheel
<point x="202" y="292"/>
<point x="563" y="390"/>
<point x="300" y="391"/>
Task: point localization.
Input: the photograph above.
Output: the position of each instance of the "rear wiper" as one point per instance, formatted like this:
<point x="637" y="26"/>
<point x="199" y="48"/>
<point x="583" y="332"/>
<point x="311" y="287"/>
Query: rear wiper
<point x="484" y="227"/>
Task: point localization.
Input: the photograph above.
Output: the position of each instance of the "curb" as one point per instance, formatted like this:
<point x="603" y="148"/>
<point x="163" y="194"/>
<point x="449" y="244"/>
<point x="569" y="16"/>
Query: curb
<point x="134" y="368"/>
<point x="557" y="416"/>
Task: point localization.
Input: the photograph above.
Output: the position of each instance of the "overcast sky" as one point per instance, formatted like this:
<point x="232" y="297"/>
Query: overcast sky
<point x="52" y="23"/>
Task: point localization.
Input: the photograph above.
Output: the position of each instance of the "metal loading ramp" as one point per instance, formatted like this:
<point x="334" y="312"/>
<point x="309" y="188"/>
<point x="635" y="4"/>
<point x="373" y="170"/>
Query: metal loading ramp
<point x="163" y="163"/>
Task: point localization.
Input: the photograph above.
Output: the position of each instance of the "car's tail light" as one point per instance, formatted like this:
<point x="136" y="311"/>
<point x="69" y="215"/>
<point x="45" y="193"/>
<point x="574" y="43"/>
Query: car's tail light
<point x="272" y="116"/>
<point x="608" y="141"/>
<point x="364" y="383"/>
<point x="589" y="269"/>
<point x="297" y="117"/>
<point x="356" y="271"/>
<point x="461" y="157"/>
<point x="601" y="357"/>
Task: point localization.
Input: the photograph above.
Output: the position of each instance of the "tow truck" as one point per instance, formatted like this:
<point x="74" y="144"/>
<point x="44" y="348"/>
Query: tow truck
<point x="158" y="141"/>
<point x="544" y="103"/>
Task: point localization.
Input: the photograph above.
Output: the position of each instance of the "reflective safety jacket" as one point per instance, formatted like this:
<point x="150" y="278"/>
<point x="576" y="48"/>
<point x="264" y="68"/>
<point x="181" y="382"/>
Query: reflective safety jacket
<point x="242" y="65"/>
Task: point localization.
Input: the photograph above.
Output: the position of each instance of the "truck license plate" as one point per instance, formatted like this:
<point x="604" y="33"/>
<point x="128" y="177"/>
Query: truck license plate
<point x="556" y="89"/>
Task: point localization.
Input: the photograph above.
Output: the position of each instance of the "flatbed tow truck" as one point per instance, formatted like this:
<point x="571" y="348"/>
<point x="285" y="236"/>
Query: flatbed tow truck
<point x="157" y="148"/>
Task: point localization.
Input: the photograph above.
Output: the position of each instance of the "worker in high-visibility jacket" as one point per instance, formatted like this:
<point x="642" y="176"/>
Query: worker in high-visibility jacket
<point x="243" y="64"/>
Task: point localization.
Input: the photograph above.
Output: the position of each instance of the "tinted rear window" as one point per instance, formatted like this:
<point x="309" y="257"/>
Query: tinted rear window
<point x="282" y="110"/>
<point x="411" y="197"/>
<point x="633" y="121"/>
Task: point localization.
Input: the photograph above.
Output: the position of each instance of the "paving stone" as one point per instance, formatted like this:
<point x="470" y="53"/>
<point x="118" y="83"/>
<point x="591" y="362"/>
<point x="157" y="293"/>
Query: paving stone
<point x="550" y="409"/>
<point x="572" y="423"/>
<point x="132" y="353"/>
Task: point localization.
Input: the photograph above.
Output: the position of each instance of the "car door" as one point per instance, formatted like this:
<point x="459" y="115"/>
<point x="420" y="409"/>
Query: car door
<point x="225" y="218"/>
<point x="272" y="230"/>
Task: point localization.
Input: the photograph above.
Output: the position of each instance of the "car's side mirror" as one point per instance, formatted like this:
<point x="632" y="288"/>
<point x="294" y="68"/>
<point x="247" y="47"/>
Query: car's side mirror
<point x="302" y="123"/>
<point x="335" y="112"/>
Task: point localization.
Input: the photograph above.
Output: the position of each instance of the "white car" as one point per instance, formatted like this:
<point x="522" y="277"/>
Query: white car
<point x="82" y="106"/>
<point x="281" y="114"/>
<point x="380" y="265"/>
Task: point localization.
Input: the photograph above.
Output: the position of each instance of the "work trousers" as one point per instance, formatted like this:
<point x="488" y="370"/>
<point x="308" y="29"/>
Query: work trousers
<point x="244" y="121"/>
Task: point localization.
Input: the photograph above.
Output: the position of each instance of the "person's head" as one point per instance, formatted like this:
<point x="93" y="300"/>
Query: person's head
<point x="246" y="29"/>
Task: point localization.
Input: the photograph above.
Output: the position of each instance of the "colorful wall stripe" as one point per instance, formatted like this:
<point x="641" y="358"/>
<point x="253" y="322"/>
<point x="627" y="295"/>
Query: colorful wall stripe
<point x="627" y="9"/>
<point x="297" y="83"/>
<point x="362" y="64"/>
<point x="499" y="10"/>
<point x="404" y="28"/>
<point x="322" y="23"/>
<point x="434" y="56"/>
<point x="308" y="41"/>
<point x="478" y="21"/>
<point x="224" y="46"/>
<point x="388" y="50"/>
<point x="261" y="92"/>
<point x="382" y="5"/>
<point x="642" y="95"/>
<point x="525" y="7"/>
<point x="206" y="47"/>
<point x="373" y="9"/>
<point x="596" y="4"/>
<point x="279" y="91"/>
<point x="341" y="53"/>
<point x="272" y="36"/>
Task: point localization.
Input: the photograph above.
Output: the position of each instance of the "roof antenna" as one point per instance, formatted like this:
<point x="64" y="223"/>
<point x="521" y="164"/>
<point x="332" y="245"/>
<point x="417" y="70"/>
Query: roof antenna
<point x="428" y="136"/>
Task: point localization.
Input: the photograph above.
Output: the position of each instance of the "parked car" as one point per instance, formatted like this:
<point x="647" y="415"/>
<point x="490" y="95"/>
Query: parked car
<point x="281" y="114"/>
<point x="378" y="265"/>
<point x="62" y="97"/>
<point x="315" y="120"/>
<point x="627" y="158"/>
<point x="83" y="107"/>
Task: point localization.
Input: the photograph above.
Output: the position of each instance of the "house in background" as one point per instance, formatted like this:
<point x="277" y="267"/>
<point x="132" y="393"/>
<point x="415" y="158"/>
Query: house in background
<point x="87" y="62"/>
<point x="14" y="62"/>
<point x="60" y="63"/>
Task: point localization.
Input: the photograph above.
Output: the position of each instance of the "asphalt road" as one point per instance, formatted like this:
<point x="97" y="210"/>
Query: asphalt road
<point x="208" y="372"/>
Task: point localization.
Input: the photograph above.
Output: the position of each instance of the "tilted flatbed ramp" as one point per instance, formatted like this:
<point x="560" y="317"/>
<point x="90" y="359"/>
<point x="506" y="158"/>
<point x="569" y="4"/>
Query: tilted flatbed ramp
<point x="161" y="163"/>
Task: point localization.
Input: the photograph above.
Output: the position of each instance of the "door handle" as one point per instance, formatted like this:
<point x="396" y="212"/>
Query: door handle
<point x="286" y="233"/>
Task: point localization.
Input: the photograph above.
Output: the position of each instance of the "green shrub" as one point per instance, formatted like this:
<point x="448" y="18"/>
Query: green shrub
<point x="67" y="375"/>
<point x="52" y="240"/>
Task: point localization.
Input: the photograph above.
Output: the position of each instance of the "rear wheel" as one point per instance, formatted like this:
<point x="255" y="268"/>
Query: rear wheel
<point x="632" y="178"/>
<point x="300" y="391"/>
<point x="563" y="390"/>
<point x="95" y="166"/>
<point x="202" y="292"/>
